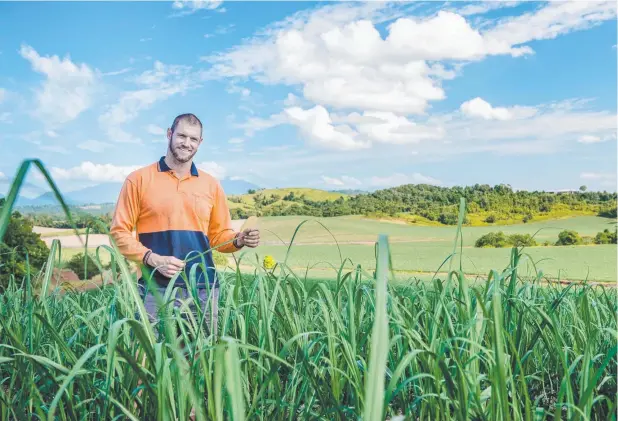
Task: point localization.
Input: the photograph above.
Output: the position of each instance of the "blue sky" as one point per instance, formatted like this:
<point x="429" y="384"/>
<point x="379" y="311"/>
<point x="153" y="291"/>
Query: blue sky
<point x="327" y="95"/>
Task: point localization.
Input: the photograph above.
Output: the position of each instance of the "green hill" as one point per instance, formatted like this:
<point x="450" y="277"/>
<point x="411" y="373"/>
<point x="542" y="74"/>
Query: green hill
<point x="275" y="202"/>
<point x="426" y="204"/>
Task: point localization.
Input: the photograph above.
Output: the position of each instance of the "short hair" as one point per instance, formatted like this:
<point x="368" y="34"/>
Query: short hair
<point x="190" y="118"/>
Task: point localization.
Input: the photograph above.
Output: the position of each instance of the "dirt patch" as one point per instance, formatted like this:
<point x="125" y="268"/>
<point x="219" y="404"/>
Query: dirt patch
<point x="46" y="230"/>
<point x="64" y="275"/>
<point x="394" y="221"/>
<point x="72" y="241"/>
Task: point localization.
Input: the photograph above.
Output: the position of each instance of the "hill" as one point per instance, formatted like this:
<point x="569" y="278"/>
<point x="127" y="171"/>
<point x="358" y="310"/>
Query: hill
<point x="275" y="202"/>
<point x="429" y="204"/>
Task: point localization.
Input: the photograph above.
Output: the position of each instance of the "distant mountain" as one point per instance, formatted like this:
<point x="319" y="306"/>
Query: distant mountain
<point x="101" y="193"/>
<point x="350" y="191"/>
<point x="46" y="199"/>
<point x="108" y="193"/>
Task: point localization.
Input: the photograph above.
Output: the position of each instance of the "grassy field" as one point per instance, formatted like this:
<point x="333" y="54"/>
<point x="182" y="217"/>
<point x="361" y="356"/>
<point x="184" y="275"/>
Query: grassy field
<point x="420" y="248"/>
<point x="424" y="248"/>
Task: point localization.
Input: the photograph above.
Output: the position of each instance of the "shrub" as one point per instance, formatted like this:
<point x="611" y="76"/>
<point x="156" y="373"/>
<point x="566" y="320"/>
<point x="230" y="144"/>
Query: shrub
<point x="587" y="240"/>
<point x="605" y="237"/>
<point x="20" y="240"/>
<point x="492" y="239"/>
<point x="522" y="240"/>
<point x="76" y="264"/>
<point x="498" y="239"/>
<point x="568" y="238"/>
<point x="490" y="219"/>
<point x="608" y="213"/>
<point x="526" y="218"/>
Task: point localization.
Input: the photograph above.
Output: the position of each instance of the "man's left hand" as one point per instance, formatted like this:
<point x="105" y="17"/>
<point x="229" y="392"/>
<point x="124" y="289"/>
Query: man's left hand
<point x="249" y="237"/>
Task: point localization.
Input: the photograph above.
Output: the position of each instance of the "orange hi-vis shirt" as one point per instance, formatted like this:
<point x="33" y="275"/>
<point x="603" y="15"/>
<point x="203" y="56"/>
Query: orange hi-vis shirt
<point x="173" y="217"/>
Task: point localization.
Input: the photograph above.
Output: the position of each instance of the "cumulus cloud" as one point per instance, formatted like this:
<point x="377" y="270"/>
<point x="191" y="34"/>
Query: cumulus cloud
<point x="346" y="132"/>
<point x="479" y="108"/>
<point x="216" y="170"/>
<point x="340" y="59"/>
<point x="88" y="171"/>
<point x="387" y="127"/>
<point x="68" y="89"/>
<point x="317" y="127"/>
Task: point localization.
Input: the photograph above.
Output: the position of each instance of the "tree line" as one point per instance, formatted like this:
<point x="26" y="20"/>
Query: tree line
<point x="436" y="203"/>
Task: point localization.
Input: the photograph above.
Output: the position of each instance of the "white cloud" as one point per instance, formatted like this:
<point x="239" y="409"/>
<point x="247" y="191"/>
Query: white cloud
<point x="94" y="146"/>
<point x="400" y="179"/>
<point x="349" y="132"/>
<point x="386" y="127"/>
<point x="187" y="7"/>
<point x="556" y="18"/>
<point x="480" y="108"/>
<point x="317" y="128"/>
<point x="597" y="176"/>
<point x="343" y="181"/>
<point x="155" y="130"/>
<point x="214" y="169"/>
<point x="549" y="125"/>
<point x="88" y="171"/>
<point x="481" y="8"/>
<point x="67" y="90"/>
<point x="2" y="175"/>
<point x="340" y="60"/>
<point x="2" y="94"/>
<point x="51" y="133"/>
<point x="589" y="139"/>
<point x="145" y="39"/>
<point x="596" y="139"/>
<point x="5" y="117"/>
<point x="236" y="140"/>
<point x="158" y="84"/>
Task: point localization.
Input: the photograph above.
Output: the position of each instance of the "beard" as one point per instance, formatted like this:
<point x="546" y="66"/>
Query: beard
<point x="177" y="151"/>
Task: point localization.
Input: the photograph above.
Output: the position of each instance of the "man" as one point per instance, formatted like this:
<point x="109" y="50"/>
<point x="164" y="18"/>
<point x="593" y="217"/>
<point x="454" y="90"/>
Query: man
<point x="178" y="212"/>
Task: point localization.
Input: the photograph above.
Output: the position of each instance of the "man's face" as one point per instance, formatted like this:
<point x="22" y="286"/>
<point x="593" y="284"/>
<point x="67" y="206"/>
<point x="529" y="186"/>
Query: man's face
<point x="185" y="140"/>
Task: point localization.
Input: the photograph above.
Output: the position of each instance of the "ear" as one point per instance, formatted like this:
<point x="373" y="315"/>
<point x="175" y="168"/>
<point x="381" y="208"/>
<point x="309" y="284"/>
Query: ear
<point x="169" y="134"/>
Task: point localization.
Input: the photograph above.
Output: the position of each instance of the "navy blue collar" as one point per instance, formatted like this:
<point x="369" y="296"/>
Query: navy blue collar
<point x="164" y="167"/>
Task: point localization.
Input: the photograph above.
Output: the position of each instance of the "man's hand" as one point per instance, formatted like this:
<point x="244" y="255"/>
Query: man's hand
<point x="249" y="237"/>
<point x="168" y="266"/>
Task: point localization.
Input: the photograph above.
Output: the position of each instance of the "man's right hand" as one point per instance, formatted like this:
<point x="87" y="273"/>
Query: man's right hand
<point x="168" y="266"/>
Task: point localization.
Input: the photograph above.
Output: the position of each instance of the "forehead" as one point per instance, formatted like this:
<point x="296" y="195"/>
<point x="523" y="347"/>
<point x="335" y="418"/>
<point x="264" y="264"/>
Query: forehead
<point x="188" y="128"/>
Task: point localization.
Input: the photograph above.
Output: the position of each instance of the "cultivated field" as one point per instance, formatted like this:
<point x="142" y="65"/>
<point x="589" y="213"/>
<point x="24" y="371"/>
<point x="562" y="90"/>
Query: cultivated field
<point x="414" y="249"/>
